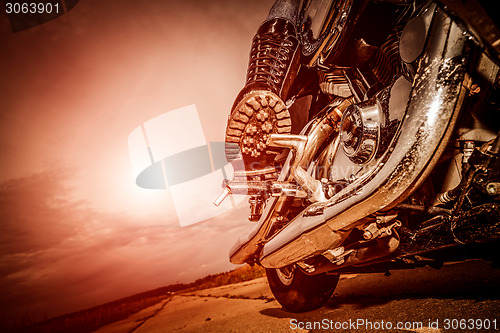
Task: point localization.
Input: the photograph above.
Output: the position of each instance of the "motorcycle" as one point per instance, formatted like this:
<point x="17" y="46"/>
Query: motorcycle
<point x="398" y="165"/>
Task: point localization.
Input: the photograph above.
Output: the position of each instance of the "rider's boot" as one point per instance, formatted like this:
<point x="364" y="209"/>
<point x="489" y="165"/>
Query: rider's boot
<point x="259" y="109"/>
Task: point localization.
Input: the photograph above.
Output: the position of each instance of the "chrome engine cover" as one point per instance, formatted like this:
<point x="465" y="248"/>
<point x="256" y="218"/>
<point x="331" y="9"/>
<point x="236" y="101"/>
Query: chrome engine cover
<point x="360" y="131"/>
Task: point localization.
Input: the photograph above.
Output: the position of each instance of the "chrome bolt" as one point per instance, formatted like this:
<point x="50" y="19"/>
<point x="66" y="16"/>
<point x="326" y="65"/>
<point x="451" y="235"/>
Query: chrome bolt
<point x="467" y="151"/>
<point x="367" y="235"/>
<point x="493" y="188"/>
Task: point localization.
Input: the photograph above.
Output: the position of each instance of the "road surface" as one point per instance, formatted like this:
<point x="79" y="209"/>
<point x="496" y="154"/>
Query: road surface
<point x="461" y="297"/>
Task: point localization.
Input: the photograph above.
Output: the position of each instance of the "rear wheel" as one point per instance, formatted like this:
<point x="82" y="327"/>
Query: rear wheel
<point x="299" y="292"/>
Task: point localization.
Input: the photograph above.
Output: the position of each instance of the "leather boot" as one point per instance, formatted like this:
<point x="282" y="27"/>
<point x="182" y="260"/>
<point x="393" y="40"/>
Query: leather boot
<point x="259" y="109"/>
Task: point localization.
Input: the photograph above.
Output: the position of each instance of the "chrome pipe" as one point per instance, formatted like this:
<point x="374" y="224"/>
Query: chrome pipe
<point x="304" y="148"/>
<point x="431" y="113"/>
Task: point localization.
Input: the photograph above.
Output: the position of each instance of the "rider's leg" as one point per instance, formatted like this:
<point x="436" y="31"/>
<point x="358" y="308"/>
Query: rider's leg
<point x="259" y="109"/>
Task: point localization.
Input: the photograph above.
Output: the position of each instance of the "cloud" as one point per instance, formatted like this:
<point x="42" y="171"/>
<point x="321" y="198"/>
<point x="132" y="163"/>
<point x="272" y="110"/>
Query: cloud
<point x="57" y="255"/>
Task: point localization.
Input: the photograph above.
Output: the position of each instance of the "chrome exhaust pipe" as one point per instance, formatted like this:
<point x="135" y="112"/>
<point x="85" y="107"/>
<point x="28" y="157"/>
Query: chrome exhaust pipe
<point x="436" y="98"/>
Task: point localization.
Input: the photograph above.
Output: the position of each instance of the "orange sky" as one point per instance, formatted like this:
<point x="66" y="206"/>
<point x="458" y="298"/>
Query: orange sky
<point x="77" y="231"/>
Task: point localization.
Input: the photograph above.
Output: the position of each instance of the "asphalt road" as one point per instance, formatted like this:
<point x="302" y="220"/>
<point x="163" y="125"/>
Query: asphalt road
<point x="461" y="297"/>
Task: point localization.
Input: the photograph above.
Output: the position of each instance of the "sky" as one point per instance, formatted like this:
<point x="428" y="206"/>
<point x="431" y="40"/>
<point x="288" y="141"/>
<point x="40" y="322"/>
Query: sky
<point x="76" y="231"/>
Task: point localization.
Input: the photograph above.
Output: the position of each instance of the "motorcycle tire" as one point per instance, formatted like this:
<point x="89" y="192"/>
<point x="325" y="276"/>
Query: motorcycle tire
<point x="299" y="292"/>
